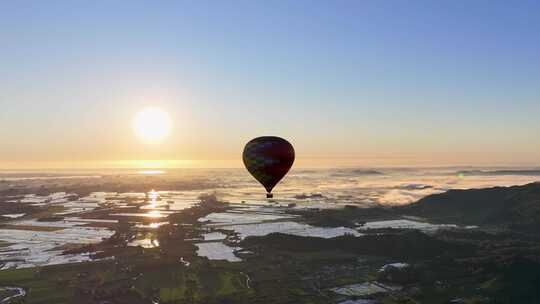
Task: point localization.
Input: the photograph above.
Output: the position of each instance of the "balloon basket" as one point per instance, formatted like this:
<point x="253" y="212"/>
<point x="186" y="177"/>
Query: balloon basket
<point x="269" y="195"/>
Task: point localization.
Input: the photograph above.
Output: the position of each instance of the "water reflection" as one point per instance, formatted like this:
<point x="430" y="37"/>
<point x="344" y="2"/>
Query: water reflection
<point x="145" y="243"/>
<point x="151" y="225"/>
<point x="31" y="242"/>
<point x="151" y="172"/>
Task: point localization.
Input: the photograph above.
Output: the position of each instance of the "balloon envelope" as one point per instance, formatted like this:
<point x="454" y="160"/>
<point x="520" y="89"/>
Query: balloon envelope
<point x="268" y="159"/>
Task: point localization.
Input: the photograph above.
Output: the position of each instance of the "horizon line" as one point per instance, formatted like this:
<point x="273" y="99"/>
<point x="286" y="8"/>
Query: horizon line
<point x="303" y="163"/>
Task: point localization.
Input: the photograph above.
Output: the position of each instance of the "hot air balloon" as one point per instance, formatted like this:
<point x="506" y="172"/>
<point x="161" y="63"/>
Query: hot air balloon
<point x="268" y="159"/>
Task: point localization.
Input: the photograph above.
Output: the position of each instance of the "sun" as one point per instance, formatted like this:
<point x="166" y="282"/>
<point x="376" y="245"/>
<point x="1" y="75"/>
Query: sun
<point x="152" y="125"/>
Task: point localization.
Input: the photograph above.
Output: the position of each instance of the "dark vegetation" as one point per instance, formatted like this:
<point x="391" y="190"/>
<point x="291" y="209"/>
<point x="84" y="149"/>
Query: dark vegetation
<point x="400" y="244"/>
<point x="350" y="216"/>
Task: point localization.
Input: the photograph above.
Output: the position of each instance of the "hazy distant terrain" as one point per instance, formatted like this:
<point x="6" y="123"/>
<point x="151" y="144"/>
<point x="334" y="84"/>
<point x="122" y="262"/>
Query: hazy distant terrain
<point x="366" y="187"/>
<point x="343" y="236"/>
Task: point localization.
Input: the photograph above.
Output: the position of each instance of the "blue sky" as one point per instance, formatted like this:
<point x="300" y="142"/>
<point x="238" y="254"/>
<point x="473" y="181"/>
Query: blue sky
<point x="434" y="82"/>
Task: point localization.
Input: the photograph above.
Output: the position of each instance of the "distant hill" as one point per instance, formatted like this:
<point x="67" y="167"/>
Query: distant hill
<point x="357" y="172"/>
<point x="530" y="172"/>
<point x="516" y="207"/>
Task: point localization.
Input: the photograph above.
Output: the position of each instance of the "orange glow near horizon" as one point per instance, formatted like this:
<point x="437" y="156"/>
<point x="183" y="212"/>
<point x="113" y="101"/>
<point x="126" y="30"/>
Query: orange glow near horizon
<point x="161" y="166"/>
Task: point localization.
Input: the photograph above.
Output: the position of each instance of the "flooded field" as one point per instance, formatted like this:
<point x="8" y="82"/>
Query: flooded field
<point x="73" y="221"/>
<point x="365" y="289"/>
<point x="217" y="251"/>
<point x="69" y="221"/>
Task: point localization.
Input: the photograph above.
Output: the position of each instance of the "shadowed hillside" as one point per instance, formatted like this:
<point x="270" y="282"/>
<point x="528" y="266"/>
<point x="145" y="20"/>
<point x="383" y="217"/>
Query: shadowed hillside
<point x="516" y="207"/>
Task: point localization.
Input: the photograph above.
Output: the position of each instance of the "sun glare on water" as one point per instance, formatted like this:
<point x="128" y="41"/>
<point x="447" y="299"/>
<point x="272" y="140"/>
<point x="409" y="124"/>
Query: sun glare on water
<point x="152" y="125"/>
